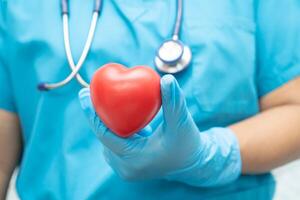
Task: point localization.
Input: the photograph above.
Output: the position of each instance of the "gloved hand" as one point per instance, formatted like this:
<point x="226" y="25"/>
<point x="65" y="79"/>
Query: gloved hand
<point x="176" y="150"/>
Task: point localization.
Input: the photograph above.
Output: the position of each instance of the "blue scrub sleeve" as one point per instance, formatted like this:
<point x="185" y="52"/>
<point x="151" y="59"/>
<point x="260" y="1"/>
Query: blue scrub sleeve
<point x="6" y="97"/>
<point x="6" y="100"/>
<point x="278" y="43"/>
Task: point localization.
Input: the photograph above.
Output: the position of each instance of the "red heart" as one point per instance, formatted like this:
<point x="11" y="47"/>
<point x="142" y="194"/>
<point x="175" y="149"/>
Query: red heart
<point x="126" y="100"/>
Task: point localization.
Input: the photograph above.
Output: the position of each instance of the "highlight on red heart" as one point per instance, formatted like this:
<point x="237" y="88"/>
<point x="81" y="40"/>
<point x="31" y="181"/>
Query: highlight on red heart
<point x="125" y="99"/>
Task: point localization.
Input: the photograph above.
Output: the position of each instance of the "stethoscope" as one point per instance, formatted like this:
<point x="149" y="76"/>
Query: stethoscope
<point x="172" y="56"/>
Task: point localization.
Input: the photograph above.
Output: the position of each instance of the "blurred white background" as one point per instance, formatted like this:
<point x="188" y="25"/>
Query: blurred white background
<point x="288" y="183"/>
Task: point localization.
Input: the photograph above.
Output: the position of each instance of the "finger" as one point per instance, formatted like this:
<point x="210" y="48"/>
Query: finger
<point x="116" y="144"/>
<point x="157" y="120"/>
<point x="147" y="131"/>
<point x="173" y="102"/>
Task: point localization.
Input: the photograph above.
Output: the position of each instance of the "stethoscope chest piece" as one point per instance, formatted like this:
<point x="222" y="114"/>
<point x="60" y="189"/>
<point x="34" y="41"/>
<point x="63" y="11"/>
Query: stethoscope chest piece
<point x="173" y="57"/>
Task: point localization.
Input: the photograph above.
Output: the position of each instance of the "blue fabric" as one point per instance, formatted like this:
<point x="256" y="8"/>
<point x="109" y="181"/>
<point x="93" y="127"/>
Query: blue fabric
<point x="6" y="100"/>
<point x="6" y="97"/>
<point x="241" y="50"/>
<point x="278" y="53"/>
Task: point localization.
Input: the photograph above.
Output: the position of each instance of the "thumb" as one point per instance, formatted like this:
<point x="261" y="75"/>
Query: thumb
<point x="175" y="111"/>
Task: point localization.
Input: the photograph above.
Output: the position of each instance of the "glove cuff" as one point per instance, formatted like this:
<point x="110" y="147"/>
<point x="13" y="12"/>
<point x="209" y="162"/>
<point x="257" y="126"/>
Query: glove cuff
<point x="217" y="162"/>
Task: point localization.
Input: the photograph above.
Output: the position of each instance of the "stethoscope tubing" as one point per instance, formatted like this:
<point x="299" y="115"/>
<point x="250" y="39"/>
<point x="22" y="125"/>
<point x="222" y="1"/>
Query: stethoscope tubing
<point x="178" y="23"/>
<point x="76" y="68"/>
<point x="65" y="6"/>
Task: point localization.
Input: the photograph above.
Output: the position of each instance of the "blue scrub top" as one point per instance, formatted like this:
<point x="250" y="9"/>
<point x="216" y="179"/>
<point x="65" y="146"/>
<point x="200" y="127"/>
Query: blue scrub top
<point x="242" y="51"/>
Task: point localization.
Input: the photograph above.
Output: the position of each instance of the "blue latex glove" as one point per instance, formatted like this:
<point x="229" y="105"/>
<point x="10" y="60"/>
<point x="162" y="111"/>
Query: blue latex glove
<point x="176" y="150"/>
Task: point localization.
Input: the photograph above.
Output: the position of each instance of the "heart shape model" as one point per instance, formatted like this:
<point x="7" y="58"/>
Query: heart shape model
<point x="125" y="99"/>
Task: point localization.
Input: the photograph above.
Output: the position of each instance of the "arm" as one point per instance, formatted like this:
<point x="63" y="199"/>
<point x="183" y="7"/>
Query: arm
<point x="10" y="148"/>
<point x="272" y="138"/>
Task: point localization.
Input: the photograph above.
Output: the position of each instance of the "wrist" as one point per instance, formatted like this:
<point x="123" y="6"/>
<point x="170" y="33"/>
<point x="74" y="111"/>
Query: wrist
<point x="217" y="162"/>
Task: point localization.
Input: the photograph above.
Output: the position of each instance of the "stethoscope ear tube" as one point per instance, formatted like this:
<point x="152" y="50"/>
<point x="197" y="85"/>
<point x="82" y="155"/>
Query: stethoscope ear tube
<point x="75" y="68"/>
<point x="97" y="6"/>
<point x="167" y="65"/>
<point x="64" y="7"/>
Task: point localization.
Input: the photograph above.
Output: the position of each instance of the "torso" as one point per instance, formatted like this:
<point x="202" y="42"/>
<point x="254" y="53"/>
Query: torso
<point x="60" y="149"/>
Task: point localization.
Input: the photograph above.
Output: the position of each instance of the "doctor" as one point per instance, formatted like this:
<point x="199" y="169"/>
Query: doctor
<point x="233" y="111"/>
